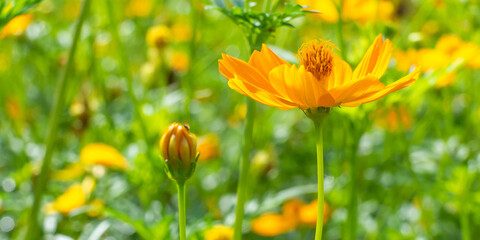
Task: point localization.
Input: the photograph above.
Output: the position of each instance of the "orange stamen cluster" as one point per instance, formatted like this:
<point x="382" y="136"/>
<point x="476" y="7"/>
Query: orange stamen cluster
<point x="317" y="57"/>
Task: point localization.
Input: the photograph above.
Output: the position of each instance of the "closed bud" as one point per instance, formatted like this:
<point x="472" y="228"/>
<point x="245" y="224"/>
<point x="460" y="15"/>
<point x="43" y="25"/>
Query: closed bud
<point x="179" y="150"/>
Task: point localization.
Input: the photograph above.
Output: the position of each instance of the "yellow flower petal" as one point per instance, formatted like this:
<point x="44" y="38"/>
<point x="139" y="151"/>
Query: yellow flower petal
<point x="356" y="90"/>
<point x="72" y="171"/>
<point x="376" y="60"/>
<point x="395" y="86"/>
<point x="246" y="72"/>
<point x="265" y="60"/>
<point x="342" y="74"/>
<point x="300" y="87"/>
<point x="102" y="154"/>
<point x="71" y="199"/>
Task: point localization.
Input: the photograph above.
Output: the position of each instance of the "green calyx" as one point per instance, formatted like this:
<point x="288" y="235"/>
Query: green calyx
<point x="177" y="171"/>
<point x="318" y="114"/>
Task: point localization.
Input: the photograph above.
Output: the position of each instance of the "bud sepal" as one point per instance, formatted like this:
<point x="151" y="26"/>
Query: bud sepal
<point x="179" y="174"/>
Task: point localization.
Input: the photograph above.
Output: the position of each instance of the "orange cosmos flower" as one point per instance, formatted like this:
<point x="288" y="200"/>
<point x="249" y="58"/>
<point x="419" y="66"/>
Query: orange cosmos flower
<point x="272" y="224"/>
<point x="308" y="213"/>
<point x="321" y="80"/>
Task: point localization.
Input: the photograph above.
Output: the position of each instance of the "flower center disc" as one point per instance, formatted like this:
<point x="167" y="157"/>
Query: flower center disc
<point x="317" y="57"/>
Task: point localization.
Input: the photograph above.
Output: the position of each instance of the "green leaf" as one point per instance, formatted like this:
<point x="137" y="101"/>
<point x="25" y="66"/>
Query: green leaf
<point x="220" y="3"/>
<point x="238" y="3"/>
<point x="136" y="224"/>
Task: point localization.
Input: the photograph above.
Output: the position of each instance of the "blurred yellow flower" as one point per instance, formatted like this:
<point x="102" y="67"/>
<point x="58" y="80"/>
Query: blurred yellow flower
<point x="356" y="10"/>
<point x="158" y="36"/>
<point x="88" y="185"/>
<point x="367" y="10"/>
<point x="308" y="213"/>
<point x="71" y="9"/>
<point x="405" y="59"/>
<point x="17" y="25"/>
<point x="448" y="49"/>
<point x="208" y="147"/>
<point x="181" y="31"/>
<point x="432" y="59"/>
<point x="138" y="8"/>
<point x="322" y="80"/>
<point x="446" y="79"/>
<point x="263" y="161"/>
<point x="272" y="224"/>
<point x="329" y="12"/>
<point x="449" y="44"/>
<point x="73" y="171"/>
<point x="219" y="232"/>
<point x="291" y="209"/>
<point x="393" y="119"/>
<point x="95" y="207"/>
<point x="102" y="154"/>
<point x="72" y="198"/>
<point x="180" y="62"/>
<point x="475" y="61"/>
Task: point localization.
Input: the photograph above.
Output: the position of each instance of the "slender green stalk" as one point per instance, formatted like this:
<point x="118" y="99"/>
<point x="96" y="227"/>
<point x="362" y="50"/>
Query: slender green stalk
<point x="352" y="207"/>
<point x="267" y="5"/>
<point x="465" y="224"/>
<point x="124" y="66"/>
<point x="187" y="82"/>
<point x="182" y="223"/>
<point x="341" y="41"/>
<point x="244" y="169"/>
<point x="319" y="136"/>
<point x="55" y="114"/>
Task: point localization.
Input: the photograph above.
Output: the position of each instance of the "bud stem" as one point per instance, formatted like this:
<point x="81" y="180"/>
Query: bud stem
<point x="182" y="220"/>
<point x="319" y="135"/>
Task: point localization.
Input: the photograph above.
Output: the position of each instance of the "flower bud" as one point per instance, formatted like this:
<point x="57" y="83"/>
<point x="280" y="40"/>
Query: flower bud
<point x="179" y="150"/>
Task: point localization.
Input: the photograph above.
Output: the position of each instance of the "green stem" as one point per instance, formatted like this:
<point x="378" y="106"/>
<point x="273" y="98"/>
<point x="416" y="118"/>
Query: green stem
<point x="58" y="105"/>
<point x="319" y="135"/>
<point x="266" y="5"/>
<point x="124" y="66"/>
<point x="465" y="225"/>
<point x="187" y="82"/>
<point x="244" y="169"/>
<point x="341" y="41"/>
<point x="352" y="208"/>
<point x="182" y="223"/>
